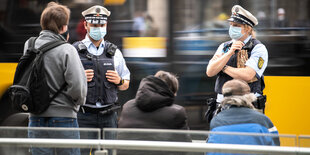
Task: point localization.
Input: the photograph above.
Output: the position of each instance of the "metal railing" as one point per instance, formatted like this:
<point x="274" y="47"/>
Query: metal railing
<point x="153" y="146"/>
<point x="197" y="143"/>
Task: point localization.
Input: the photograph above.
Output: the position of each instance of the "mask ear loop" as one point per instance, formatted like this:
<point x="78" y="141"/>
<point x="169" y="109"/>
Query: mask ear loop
<point x="244" y="29"/>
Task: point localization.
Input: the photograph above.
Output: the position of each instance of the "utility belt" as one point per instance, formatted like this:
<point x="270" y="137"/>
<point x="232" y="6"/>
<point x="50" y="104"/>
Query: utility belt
<point x="215" y="107"/>
<point x="107" y="109"/>
<point x="260" y="102"/>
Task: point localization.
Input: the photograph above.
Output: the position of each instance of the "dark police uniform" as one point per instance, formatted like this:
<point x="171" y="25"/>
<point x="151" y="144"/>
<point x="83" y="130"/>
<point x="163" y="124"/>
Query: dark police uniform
<point x="101" y="94"/>
<point x="99" y="110"/>
<point x="253" y="54"/>
<point x="256" y="61"/>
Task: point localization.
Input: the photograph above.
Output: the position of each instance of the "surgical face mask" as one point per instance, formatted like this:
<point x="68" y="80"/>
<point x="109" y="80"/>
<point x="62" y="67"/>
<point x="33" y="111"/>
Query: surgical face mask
<point x="97" y="33"/>
<point x="235" y="32"/>
<point x="103" y="31"/>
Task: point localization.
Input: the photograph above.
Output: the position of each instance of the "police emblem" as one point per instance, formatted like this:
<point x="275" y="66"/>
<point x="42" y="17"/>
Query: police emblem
<point x="97" y="10"/>
<point x="260" y="62"/>
<point x="237" y="10"/>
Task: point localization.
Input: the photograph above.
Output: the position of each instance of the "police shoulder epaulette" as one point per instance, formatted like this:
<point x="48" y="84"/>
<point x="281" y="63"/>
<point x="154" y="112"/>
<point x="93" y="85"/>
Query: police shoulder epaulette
<point x="80" y="47"/>
<point x="110" y="49"/>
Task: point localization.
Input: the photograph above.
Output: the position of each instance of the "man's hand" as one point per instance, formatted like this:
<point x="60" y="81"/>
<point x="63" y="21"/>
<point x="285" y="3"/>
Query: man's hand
<point x="237" y="45"/>
<point x="112" y="76"/>
<point x="89" y="74"/>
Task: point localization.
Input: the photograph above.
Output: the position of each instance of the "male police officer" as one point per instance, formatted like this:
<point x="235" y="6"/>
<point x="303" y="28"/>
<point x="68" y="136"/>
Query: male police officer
<point x="105" y="69"/>
<point x="244" y="57"/>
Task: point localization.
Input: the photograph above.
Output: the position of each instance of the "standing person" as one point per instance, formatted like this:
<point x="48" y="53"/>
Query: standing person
<point x="105" y="69"/>
<point x="244" y="57"/>
<point x="151" y="28"/>
<point x="153" y="107"/>
<point x="138" y="25"/>
<point x="62" y="65"/>
<point x="239" y="115"/>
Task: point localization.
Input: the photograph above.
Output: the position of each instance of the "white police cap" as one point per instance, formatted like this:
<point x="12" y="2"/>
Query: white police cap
<point x="242" y="16"/>
<point x="96" y="15"/>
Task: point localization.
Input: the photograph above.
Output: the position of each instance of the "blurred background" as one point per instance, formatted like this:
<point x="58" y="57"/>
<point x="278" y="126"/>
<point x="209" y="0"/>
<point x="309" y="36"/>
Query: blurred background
<point x="179" y="36"/>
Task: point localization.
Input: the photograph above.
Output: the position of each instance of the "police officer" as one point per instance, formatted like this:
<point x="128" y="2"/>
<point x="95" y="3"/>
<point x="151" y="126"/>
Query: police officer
<point x="244" y="57"/>
<point x="105" y="69"/>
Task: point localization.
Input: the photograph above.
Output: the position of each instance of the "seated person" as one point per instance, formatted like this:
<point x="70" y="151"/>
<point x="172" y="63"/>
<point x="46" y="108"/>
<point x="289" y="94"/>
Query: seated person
<point x="153" y="107"/>
<point x="238" y="115"/>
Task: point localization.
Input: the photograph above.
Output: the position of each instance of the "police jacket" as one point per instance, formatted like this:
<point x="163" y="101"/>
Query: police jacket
<point x="101" y="93"/>
<point x="256" y="86"/>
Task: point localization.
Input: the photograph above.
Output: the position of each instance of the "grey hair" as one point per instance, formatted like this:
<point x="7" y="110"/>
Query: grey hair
<point x="170" y="79"/>
<point x="240" y="100"/>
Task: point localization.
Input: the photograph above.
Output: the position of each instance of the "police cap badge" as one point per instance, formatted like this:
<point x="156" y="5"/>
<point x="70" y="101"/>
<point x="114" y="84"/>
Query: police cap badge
<point x="242" y="16"/>
<point x="96" y="15"/>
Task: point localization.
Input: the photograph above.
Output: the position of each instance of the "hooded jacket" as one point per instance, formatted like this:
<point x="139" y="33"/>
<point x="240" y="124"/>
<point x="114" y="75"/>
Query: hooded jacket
<point x="62" y="64"/>
<point x="153" y="108"/>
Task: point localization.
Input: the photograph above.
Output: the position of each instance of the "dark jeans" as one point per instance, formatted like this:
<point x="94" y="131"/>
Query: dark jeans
<point x="90" y="120"/>
<point x="54" y="122"/>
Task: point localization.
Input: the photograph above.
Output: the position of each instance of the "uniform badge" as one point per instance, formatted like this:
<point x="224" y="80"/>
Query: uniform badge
<point x="260" y="62"/>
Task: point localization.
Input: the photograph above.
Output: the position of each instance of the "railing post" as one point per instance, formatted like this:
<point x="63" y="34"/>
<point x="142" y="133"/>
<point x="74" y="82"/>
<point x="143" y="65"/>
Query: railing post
<point x="101" y="152"/>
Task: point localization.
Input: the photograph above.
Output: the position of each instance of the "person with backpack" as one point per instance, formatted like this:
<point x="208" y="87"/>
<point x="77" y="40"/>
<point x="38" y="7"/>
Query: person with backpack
<point x="244" y="57"/>
<point x="63" y="71"/>
<point x="106" y="73"/>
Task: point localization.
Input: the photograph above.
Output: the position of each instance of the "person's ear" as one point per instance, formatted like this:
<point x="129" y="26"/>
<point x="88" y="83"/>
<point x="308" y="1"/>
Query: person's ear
<point x="249" y="30"/>
<point x="85" y="25"/>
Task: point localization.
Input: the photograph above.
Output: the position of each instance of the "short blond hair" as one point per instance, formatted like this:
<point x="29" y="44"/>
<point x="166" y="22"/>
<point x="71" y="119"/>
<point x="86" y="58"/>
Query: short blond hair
<point x="54" y="17"/>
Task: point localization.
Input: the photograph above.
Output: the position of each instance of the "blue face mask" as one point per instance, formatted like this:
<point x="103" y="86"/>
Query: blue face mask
<point x="235" y="32"/>
<point x="103" y="31"/>
<point x="97" y="33"/>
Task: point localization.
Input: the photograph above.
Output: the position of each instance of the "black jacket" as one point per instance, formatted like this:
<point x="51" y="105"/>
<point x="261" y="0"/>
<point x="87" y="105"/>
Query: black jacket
<point x="153" y="108"/>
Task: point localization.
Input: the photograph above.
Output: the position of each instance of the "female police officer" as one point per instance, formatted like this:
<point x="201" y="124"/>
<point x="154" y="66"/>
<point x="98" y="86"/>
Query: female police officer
<point x="243" y="57"/>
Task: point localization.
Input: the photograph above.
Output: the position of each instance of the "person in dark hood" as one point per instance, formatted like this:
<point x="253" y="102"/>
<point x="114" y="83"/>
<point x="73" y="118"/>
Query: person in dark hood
<point x="153" y="107"/>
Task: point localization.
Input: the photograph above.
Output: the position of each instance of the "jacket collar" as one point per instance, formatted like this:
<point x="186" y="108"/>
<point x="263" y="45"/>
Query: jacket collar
<point x="51" y="34"/>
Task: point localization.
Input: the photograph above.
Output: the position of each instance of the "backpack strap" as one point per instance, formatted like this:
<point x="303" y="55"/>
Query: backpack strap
<point x="50" y="45"/>
<point x="31" y="42"/>
<point x="45" y="48"/>
<point x="58" y="92"/>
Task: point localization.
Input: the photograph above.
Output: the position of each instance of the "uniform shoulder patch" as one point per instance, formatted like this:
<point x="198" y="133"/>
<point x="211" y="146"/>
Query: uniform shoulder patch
<point x="260" y="62"/>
